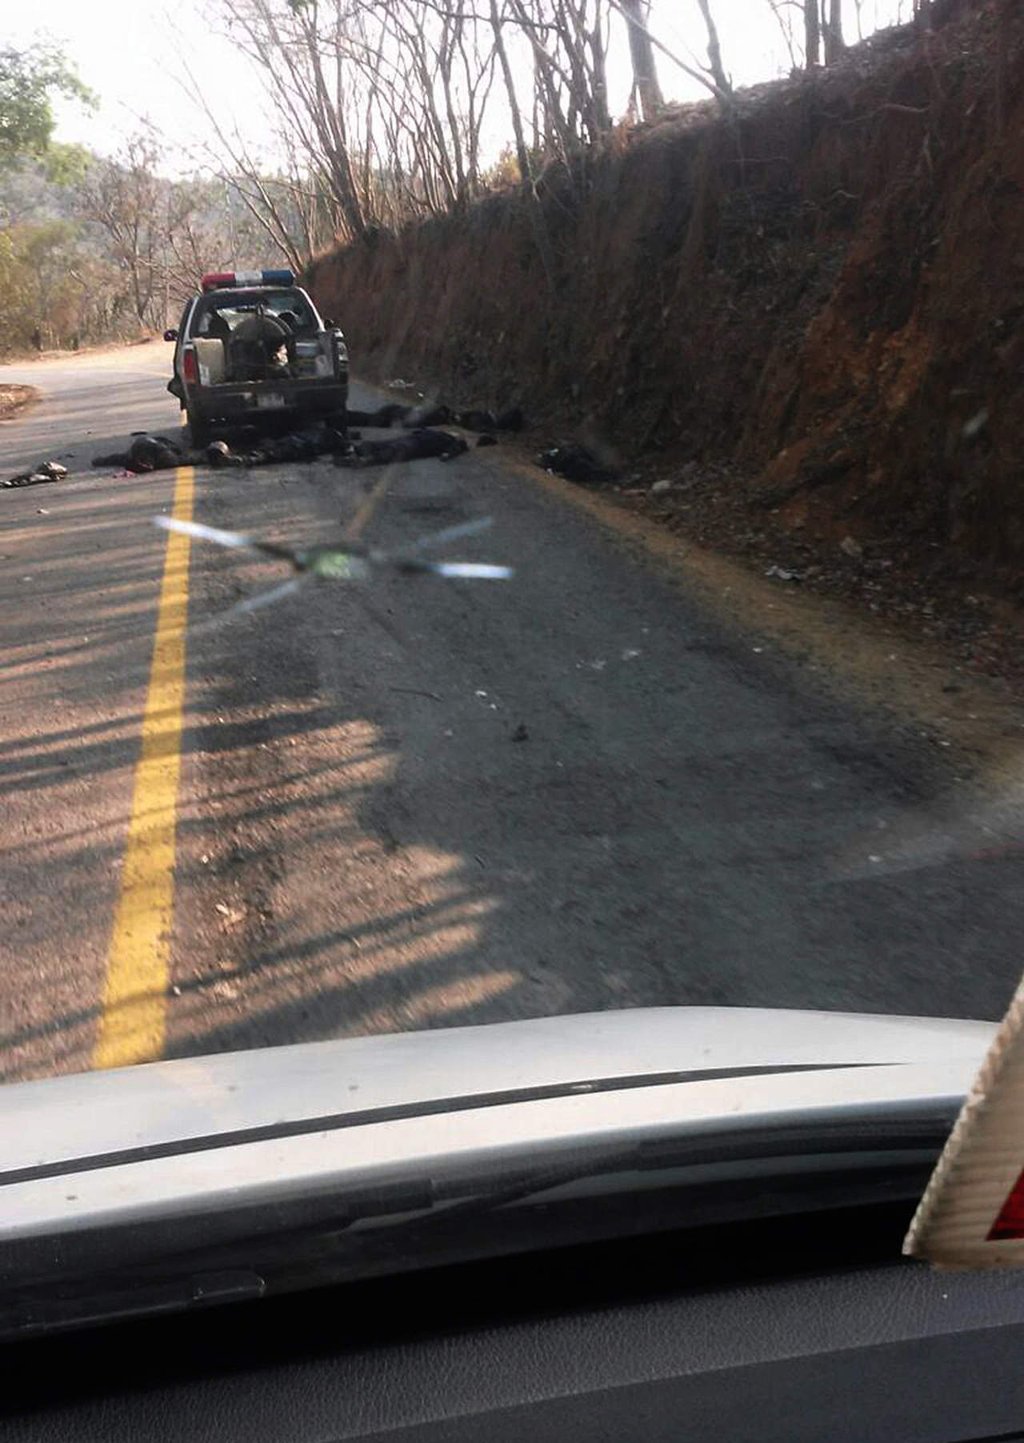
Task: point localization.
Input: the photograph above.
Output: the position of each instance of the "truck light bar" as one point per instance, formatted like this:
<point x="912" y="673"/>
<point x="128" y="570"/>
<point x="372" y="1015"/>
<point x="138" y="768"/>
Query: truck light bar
<point x="216" y="280"/>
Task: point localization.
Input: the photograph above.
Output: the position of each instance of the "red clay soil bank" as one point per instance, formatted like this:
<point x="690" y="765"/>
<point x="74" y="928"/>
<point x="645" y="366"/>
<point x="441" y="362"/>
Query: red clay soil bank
<point x="825" y="291"/>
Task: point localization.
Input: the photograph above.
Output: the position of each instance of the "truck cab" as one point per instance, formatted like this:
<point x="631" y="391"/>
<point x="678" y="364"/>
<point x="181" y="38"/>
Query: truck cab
<point x="252" y="346"/>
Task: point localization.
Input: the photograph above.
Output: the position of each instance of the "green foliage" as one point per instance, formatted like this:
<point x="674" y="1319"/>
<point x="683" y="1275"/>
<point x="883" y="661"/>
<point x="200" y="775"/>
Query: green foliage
<point x="53" y="287"/>
<point x="66" y="165"/>
<point x="29" y="79"/>
<point x="503" y="173"/>
<point x="94" y="248"/>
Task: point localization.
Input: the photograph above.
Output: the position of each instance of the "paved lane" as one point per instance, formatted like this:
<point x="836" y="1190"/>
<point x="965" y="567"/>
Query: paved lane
<point x="421" y="803"/>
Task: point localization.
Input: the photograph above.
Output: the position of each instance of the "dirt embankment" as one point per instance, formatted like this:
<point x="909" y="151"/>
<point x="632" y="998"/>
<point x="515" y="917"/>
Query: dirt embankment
<point x="819" y="300"/>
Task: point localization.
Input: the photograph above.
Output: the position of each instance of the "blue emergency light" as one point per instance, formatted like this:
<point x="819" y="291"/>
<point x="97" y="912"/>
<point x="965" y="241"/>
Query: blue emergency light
<point x="216" y="280"/>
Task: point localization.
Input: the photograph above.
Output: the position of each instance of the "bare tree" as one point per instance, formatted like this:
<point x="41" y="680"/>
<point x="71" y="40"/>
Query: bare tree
<point x="568" y="42"/>
<point x="702" y="76"/>
<point x="714" y="49"/>
<point x="501" y="51"/>
<point x="788" y="14"/>
<point x="832" y="29"/>
<point x="122" y="196"/>
<point x="425" y="75"/>
<point x="381" y="105"/>
<point x="299" y="50"/>
<point x="645" y="75"/>
<point x="812" y="34"/>
<point x="288" y="205"/>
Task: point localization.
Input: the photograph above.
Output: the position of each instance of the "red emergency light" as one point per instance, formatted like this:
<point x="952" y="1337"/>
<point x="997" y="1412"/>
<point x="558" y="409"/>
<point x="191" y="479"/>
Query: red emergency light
<point x="216" y="280"/>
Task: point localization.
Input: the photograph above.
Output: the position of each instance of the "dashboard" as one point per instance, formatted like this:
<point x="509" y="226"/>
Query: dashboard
<point x="794" y="1330"/>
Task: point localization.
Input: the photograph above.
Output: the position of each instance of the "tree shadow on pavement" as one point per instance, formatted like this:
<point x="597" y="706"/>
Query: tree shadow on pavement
<point x="437" y="803"/>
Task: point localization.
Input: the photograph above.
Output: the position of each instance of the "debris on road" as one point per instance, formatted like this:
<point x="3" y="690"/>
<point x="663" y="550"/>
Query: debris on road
<point x="521" y="734"/>
<point x="45" y="471"/>
<point x="232" y="915"/>
<point x="781" y="573"/>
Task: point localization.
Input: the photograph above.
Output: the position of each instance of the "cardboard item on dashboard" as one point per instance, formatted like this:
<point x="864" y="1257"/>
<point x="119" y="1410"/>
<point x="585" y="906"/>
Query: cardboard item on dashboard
<point x="972" y="1212"/>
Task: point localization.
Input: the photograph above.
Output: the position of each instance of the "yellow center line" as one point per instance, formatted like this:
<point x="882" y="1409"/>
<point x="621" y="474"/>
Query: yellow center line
<point x="138" y="965"/>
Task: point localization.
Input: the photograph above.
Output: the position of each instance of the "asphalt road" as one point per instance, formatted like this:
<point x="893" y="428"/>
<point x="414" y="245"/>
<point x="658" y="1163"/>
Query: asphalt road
<point x="420" y="803"/>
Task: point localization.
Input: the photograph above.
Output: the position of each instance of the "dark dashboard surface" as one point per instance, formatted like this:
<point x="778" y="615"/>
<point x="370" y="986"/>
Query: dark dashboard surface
<point x="795" y="1330"/>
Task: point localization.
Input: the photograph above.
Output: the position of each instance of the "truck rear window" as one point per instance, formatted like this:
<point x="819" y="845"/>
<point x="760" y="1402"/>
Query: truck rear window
<point x="221" y="312"/>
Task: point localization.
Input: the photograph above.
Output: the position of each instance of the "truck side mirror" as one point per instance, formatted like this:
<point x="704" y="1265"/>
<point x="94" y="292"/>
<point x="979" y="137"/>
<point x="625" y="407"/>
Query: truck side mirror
<point x="330" y="325"/>
<point x="171" y="335"/>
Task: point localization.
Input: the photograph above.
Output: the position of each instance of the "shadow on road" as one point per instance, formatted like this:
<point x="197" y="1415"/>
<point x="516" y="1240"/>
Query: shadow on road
<point x="435" y="804"/>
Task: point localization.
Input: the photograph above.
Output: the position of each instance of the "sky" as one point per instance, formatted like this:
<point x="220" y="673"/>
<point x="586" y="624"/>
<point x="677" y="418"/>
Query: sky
<point x="131" y="56"/>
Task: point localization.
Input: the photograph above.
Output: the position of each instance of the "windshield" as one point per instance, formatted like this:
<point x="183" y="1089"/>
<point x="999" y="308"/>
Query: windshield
<point x="613" y="606"/>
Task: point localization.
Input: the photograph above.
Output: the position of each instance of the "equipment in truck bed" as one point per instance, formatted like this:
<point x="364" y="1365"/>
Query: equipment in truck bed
<point x="251" y="345"/>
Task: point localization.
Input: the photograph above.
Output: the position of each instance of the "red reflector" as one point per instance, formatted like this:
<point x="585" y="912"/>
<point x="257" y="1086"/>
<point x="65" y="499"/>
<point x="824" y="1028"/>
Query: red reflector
<point x="189" y="369"/>
<point x="1010" y="1222"/>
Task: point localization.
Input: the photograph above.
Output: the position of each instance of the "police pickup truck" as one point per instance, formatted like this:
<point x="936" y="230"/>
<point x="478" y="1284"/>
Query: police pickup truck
<point x="252" y="346"/>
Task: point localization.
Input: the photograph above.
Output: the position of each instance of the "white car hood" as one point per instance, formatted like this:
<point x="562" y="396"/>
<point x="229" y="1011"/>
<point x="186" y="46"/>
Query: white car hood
<point x="83" y="1114"/>
<point x="200" y="1134"/>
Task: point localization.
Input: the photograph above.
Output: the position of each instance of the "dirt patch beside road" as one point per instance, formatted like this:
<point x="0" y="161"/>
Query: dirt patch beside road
<point x="15" y="398"/>
<point x="911" y="582"/>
